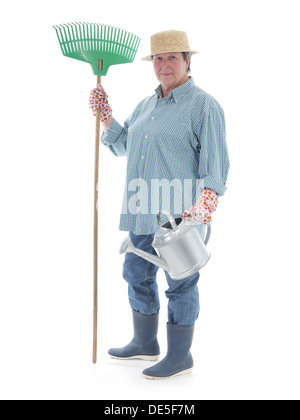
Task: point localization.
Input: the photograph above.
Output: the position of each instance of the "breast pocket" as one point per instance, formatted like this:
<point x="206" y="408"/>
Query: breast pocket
<point x="176" y="138"/>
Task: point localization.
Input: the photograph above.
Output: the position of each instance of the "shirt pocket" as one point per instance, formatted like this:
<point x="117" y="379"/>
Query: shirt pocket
<point x="175" y="138"/>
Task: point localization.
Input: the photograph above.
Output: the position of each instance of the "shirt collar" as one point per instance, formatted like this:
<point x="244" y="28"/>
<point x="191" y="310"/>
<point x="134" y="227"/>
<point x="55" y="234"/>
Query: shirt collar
<point x="178" y="92"/>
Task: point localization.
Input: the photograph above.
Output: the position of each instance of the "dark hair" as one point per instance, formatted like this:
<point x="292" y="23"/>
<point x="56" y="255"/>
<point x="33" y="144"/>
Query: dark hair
<point x="186" y="55"/>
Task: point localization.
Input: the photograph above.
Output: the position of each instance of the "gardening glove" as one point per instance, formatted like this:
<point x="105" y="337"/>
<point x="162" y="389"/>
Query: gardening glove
<point x="201" y="211"/>
<point x="98" y="100"/>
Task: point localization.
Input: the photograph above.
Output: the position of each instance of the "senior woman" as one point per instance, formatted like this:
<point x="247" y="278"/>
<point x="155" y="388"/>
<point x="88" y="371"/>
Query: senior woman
<point x="175" y="138"/>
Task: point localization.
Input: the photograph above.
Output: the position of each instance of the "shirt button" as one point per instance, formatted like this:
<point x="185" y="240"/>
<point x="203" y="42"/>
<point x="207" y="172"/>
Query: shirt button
<point x="146" y="137"/>
<point x="153" y="118"/>
<point x="143" y="157"/>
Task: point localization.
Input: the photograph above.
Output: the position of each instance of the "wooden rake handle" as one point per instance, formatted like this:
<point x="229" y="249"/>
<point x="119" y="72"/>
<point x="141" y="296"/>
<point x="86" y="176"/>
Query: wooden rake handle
<point x="95" y="306"/>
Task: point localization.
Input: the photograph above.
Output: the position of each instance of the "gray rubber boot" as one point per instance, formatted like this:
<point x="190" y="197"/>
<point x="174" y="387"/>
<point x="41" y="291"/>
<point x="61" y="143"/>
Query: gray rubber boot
<point x="144" y="344"/>
<point x="179" y="360"/>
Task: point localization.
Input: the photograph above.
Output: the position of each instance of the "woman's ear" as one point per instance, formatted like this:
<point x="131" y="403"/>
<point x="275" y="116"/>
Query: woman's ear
<point x="188" y="63"/>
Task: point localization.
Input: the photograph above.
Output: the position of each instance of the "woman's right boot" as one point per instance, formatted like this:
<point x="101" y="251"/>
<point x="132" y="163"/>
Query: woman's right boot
<point x="144" y="344"/>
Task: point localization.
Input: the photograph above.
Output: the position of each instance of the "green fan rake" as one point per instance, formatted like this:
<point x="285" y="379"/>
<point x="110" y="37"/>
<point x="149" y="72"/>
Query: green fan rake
<point x="101" y="46"/>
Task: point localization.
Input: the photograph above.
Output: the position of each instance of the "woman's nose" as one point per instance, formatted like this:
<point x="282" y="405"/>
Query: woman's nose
<point x="165" y="63"/>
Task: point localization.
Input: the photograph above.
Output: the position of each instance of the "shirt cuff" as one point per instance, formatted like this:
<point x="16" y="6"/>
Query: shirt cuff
<point x="215" y="184"/>
<point x="112" y="134"/>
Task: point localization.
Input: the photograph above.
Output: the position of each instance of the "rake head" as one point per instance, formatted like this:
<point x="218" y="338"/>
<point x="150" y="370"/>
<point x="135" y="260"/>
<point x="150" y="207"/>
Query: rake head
<point x="99" y="45"/>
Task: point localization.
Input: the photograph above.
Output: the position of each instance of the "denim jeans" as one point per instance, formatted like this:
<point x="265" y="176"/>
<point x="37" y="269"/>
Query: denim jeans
<point x="183" y="295"/>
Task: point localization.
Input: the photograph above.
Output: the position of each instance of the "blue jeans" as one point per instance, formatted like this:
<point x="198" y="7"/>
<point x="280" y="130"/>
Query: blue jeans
<point x="183" y="295"/>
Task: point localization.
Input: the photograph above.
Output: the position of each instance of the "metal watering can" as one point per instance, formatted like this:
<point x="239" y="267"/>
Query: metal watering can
<point x="181" y="251"/>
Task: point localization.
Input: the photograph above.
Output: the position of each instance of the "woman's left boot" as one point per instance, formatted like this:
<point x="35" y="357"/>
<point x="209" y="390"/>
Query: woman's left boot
<point x="179" y="360"/>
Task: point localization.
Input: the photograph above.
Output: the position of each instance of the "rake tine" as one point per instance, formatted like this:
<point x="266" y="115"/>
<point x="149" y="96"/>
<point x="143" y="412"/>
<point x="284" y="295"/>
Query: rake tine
<point x="114" y="40"/>
<point x="105" y="37"/>
<point x="67" y="38"/>
<point x="59" y="38"/>
<point x="90" y="35"/>
<point x="113" y="44"/>
<point x="90" y="26"/>
<point x="71" y="44"/>
<point x="98" y="37"/>
<point x="78" y="25"/>
<point x="64" y="37"/>
<point x="117" y="40"/>
<point x="71" y="36"/>
<point x="59" y="29"/>
<point x="134" y="47"/>
<point x="111" y="35"/>
<point x="86" y="35"/>
<point x="102" y="37"/>
<point x="83" y="38"/>
<point x="86" y="27"/>
<point x="132" y="39"/>
<point x="95" y="36"/>
<point x="123" y="42"/>
<point x="68" y="43"/>
<point x="129" y="45"/>
<point x="75" y="36"/>
<point x="108" y="37"/>
<point x="121" y="35"/>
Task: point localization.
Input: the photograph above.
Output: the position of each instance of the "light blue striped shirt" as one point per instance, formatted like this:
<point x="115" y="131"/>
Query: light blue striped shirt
<point x="175" y="147"/>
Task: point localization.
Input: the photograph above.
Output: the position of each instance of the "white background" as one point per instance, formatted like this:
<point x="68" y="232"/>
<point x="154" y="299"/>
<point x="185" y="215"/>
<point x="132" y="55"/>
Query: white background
<point x="247" y="341"/>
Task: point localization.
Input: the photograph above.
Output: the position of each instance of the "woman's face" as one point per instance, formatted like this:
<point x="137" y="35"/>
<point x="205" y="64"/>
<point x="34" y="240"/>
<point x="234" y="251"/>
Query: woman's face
<point x="171" y="69"/>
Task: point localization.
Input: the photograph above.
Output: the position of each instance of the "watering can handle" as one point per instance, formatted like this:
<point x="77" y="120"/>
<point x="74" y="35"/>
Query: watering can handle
<point x="170" y="217"/>
<point x="208" y="232"/>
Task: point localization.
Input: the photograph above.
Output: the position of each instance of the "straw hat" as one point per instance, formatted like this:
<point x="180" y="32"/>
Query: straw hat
<point x="169" y="41"/>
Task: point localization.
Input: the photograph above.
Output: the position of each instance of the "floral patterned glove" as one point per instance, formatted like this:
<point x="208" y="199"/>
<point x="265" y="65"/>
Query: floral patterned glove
<point x="98" y="100"/>
<point x="201" y="211"/>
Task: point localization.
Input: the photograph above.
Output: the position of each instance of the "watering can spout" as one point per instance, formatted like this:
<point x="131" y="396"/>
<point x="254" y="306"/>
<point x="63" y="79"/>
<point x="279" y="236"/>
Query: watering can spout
<point x="127" y="246"/>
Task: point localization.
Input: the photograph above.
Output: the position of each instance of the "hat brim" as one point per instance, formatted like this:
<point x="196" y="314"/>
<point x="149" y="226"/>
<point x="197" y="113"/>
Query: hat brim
<point x="149" y="57"/>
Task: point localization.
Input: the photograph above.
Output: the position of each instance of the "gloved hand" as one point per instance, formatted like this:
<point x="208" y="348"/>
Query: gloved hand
<point x="201" y="211"/>
<point x="98" y="99"/>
